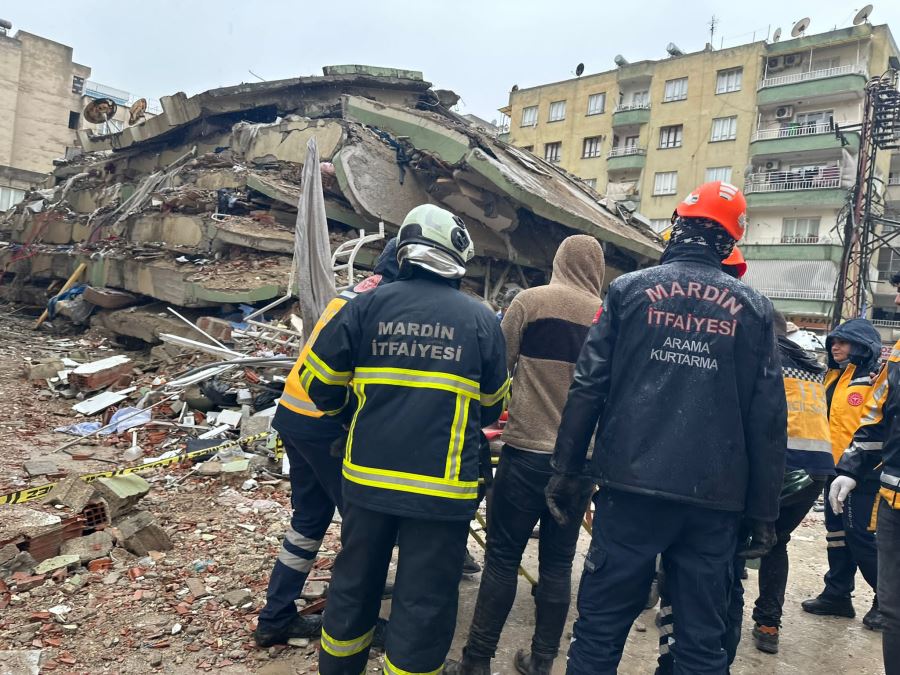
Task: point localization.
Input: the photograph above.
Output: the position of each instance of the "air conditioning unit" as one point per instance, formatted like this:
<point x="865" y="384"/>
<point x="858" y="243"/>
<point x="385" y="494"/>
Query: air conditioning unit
<point x="774" y="63"/>
<point x="791" y="60"/>
<point x="785" y="112"/>
<point x="773" y="165"/>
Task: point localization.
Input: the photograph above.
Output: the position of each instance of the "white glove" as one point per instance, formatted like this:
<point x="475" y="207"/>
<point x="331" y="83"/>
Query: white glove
<point x="840" y="489"/>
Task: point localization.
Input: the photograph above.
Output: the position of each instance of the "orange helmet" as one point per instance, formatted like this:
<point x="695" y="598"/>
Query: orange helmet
<point x="736" y="261"/>
<point x="718" y="201"/>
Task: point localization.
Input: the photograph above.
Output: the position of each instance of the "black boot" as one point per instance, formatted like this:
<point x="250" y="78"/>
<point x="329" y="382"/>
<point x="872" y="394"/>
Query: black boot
<point x="766" y="638"/>
<point x="825" y="606"/>
<point x="301" y="627"/>
<point x="532" y="664"/>
<point x="468" y="666"/>
<point x="470" y="566"/>
<point x="874" y="620"/>
<point x="379" y="634"/>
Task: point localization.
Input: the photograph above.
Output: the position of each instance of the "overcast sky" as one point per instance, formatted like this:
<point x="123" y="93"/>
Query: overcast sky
<point x="478" y="48"/>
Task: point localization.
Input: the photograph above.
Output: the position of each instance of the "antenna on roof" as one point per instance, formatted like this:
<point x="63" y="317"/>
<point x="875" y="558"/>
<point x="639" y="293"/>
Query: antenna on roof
<point x="100" y="110"/>
<point x="800" y="27"/>
<point x="862" y="16"/>
<point x="579" y="69"/>
<point x="713" y="22"/>
<point x="137" y="111"/>
<point x="777" y="36"/>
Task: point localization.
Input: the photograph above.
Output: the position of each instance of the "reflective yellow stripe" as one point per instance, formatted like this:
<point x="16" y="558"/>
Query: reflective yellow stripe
<point x="405" y="377"/>
<point x="410" y="482"/>
<point x="391" y="669"/>
<point x="360" y="391"/>
<point x="324" y="372"/>
<point x="457" y="437"/>
<point x="345" y="648"/>
<point x="488" y="400"/>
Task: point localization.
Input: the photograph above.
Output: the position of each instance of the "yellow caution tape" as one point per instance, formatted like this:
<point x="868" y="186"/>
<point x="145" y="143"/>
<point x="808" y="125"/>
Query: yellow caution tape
<point x="39" y="491"/>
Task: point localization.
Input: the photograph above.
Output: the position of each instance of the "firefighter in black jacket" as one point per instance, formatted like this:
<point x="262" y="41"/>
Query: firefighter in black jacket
<point x="427" y="365"/>
<point x="682" y="373"/>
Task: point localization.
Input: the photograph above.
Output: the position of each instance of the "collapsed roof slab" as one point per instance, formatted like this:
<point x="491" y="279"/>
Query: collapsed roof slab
<point x="522" y="178"/>
<point x="185" y="285"/>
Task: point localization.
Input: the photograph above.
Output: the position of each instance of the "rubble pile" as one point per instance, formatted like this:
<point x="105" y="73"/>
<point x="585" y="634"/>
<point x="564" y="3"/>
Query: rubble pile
<point x="196" y="207"/>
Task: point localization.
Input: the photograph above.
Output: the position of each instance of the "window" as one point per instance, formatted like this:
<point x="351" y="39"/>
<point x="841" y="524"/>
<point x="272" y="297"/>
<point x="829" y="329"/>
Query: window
<point x="724" y="129"/>
<point x="665" y="183"/>
<point x="814" y="119"/>
<point x="596" y="103"/>
<point x="73" y="119"/>
<point x="552" y="151"/>
<point x="77" y="85"/>
<point x="591" y="147"/>
<point x="631" y="142"/>
<point x="670" y="137"/>
<point x="557" y="111"/>
<point x="826" y="64"/>
<point x="529" y="116"/>
<point x="888" y="264"/>
<point x="9" y="197"/>
<point x="729" y="80"/>
<point x="722" y="173"/>
<point x="799" y="230"/>
<point x="640" y="98"/>
<point x="529" y="148"/>
<point x="590" y="182"/>
<point x="676" y="90"/>
<point x="660" y="224"/>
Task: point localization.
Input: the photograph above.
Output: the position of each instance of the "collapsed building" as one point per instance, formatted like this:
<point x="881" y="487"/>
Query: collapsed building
<point x="196" y="207"/>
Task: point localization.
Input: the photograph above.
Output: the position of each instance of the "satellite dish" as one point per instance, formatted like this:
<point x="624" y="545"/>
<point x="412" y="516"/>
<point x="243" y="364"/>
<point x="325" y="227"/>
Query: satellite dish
<point x="777" y="36"/>
<point x="862" y="16"/>
<point x="800" y="27"/>
<point x="515" y="87"/>
<point x="100" y="110"/>
<point x="138" y="110"/>
<point x="579" y="69"/>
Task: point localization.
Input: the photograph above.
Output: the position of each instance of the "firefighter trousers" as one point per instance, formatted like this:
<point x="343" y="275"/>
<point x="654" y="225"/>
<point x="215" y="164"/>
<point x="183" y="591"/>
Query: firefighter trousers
<point x="889" y="584"/>
<point x="851" y="543"/>
<point x="424" y="601"/>
<point x="698" y="546"/>
<point x="315" y="492"/>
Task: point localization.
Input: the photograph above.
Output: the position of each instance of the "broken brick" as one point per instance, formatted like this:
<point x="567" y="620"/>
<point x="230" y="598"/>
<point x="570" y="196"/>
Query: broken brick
<point x="99" y="374"/>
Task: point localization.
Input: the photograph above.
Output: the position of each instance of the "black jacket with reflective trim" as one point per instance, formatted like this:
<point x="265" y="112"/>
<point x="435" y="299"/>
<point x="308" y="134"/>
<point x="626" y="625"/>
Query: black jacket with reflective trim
<point x="427" y="365"/>
<point x="877" y="439"/>
<point x="683" y="375"/>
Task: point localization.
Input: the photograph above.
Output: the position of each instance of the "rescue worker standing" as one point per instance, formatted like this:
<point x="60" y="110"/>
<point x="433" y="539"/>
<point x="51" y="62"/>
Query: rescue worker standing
<point x="854" y="349"/>
<point x="877" y="442"/>
<point x="315" y="477"/>
<point x="545" y="328"/>
<point x="428" y="367"/>
<point x="688" y="336"/>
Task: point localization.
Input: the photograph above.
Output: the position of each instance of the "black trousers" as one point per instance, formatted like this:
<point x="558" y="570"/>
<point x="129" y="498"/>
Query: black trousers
<point x="773" y="567"/>
<point x="889" y="584"/>
<point x="315" y="492"/>
<point x="517" y="503"/>
<point x="851" y="544"/>
<point x="424" y="603"/>
<point x="698" y="546"/>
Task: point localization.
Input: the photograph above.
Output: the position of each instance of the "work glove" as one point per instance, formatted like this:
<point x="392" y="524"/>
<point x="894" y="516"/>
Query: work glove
<point x="761" y="540"/>
<point x="840" y="489"/>
<point x="567" y="496"/>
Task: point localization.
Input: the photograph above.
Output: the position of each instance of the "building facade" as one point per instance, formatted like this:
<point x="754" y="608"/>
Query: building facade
<point x="761" y="116"/>
<point x="43" y="93"/>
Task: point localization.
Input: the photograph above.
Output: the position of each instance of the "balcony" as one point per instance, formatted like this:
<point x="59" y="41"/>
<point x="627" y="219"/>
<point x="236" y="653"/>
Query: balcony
<point x="818" y="187"/>
<point x="626" y="157"/>
<point x="625" y="115"/>
<point x="812" y="84"/>
<point x="793" y="138"/>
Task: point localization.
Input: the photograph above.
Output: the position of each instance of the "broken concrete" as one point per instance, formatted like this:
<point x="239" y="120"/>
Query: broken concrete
<point x="121" y="493"/>
<point x="20" y="521"/>
<point x="100" y="374"/>
<point x="40" y="467"/>
<point x="56" y="563"/>
<point x="71" y="492"/>
<point x="96" y="545"/>
<point x="139" y="534"/>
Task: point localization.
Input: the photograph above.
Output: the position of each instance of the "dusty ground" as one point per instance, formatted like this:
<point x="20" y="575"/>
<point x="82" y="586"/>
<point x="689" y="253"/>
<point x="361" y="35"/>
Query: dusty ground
<point x="152" y="623"/>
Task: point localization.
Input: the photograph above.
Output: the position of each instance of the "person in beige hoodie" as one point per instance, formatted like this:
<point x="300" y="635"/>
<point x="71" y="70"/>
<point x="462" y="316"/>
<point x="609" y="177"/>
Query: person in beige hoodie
<point x="544" y="328"/>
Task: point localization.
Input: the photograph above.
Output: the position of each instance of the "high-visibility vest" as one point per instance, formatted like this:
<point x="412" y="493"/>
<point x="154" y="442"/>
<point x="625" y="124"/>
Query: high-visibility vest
<point x="850" y="392"/>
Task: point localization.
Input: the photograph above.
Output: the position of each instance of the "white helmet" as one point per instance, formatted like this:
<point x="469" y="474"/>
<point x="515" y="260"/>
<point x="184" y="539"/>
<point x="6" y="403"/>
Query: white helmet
<point x="436" y="240"/>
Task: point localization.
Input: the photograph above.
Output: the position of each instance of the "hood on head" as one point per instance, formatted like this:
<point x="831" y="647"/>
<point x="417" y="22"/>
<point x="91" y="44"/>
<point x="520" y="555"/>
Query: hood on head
<point x="579" y="264"/>
<point x="387" y="265"/>
<point x="865" y="343"/>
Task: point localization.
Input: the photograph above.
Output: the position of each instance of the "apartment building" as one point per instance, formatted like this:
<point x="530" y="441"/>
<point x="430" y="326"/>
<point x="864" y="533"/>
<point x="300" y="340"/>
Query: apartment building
<point x="760" y="115"/>
<point x="43" y="93"/>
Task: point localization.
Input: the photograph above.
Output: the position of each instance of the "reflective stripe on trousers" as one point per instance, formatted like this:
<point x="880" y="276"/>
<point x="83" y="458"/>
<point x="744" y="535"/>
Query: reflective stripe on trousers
<point x="345" y="648"/>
